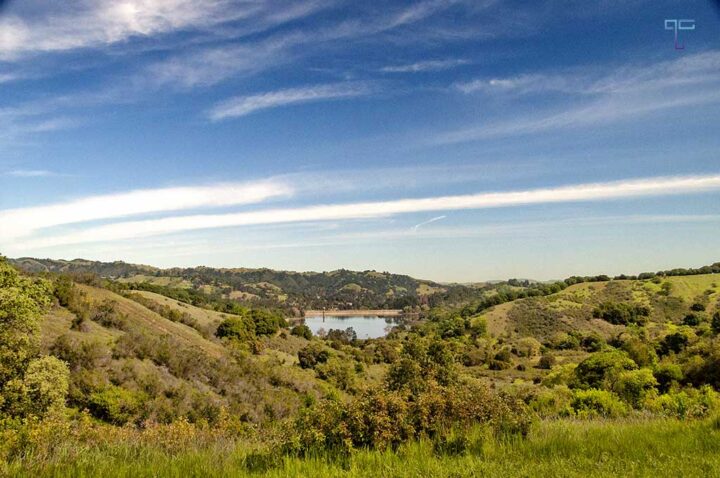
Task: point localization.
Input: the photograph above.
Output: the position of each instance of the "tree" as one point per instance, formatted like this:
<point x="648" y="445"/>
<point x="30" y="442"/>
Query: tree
<point x="312" y="355"/>
<point x="236" y="328"/>
<point x="601" y="369"/>
<point x="302" y="330"/>
<point x="29" y="385"/>
<point x="715" y="324"/>
<point x="44" y="387"/>
<point x="634" y="386"/>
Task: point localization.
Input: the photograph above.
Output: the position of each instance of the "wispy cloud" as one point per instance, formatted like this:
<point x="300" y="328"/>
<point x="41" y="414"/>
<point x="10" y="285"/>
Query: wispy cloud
<point x="30" y="173"/>
<point x="24" y="221"/>
<point x="209" y="65"/>
<point x="244" y="105"/>
<point x="662" y="186"/>
<point x="429" y="65"/>
<point x="80" y="24"/>
<point x="626" y="93"/>
<point x="429" y="221"/>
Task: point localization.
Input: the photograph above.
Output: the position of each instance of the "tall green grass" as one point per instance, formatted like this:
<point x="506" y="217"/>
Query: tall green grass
<point x="562" y="448"/>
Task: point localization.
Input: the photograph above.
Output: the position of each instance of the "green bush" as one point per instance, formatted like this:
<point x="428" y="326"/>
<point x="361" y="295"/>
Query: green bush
<point x="266" y="322"/>
<point x="715" y="323"/>
<point x="622" y="313"/>
<point x="236" y="328"/>
<point x="642" y="353"/>
<point x="674" y="343"/>
<point x="551" y="402"/>
<point x="686" y="403"/>
<point x="601" y="369"/>
<point x="667" y="375"/>
<point x="635" y="386"/>
<point x="312" y="355"/>
<point x="338" y="372"/>
<point x="547" y="361"/>
<point x="301" y="330"/>
<point x="597" y="403"/>
<point x="106" y="314"/>
<point x="381" y="418"/>
<point x="116" y="405"/>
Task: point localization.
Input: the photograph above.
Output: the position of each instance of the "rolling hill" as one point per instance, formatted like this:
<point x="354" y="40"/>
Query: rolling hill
<point x="340" y="289"/>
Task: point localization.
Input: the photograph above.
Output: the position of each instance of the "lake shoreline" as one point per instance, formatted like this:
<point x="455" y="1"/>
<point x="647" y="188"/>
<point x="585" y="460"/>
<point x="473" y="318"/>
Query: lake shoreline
<point x="349" y="313"/>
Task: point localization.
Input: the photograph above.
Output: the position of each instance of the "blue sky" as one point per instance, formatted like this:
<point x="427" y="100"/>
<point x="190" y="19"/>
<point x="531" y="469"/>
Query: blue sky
<point x="447" y="139"/>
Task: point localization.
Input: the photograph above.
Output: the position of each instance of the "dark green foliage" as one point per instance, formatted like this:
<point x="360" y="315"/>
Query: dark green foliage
<point x="422" y="360"/>
<point x="339" y="337"/>
<point x="547" y="361"/>
<point x="692" y="320"/>
<point x="639" y="351"/>
<point x="602" y="369"/>
<point x="674" y="343"/>
<point x="715" y="323"/>
<point x="236" y="328"/>
<point x="666" y="375"/>
<point x="106" y="314"/>
<point x="622" y="313"/>
<point x="592" y="342"/>
<point x="266" y="322"/>
<point x="302" y="330"/>
<point x="312" y="355"/>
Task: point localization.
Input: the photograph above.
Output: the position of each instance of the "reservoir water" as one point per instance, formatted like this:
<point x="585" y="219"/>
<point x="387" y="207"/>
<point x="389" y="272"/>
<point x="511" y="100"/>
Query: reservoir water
<point x="365" y="326"/>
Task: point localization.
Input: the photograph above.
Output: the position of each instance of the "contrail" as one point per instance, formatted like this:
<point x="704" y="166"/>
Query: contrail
<point x="438" y="218"/>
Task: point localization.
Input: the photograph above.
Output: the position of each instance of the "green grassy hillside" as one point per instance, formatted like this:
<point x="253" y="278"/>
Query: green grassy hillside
<point x="159" y="369"/>
<point x="588" y="377"/>
<point x="669" y="301"/>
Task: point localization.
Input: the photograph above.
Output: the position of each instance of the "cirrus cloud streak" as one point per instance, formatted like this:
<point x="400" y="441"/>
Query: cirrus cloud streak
<point x="659" y="186"/>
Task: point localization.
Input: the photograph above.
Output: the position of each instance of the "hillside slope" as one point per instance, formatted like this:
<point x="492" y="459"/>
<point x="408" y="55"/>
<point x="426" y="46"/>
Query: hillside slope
<point x="669" y="300"/>
<point x="131" y="363"/>
<point x="341" y="289"/>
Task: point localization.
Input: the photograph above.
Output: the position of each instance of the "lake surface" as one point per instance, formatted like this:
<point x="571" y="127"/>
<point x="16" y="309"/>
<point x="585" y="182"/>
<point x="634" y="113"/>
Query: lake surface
<point x="365" y="326"/>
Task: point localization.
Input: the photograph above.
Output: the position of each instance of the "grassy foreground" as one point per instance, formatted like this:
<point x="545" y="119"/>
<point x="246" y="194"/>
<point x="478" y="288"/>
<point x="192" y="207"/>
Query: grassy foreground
<point x="559" y="448"/>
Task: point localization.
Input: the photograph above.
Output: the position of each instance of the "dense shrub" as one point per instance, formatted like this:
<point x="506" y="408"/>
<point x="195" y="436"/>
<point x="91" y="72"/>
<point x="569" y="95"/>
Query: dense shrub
<point x="312" y="355"/>
<point x="692" y="319"/>
<point x="622" y="313"/>
<point x="592" y="342"/>
<point x="667" y="374"/>
<point x="547" y="361"/>
<point x="674" y="343"/>
<point x="338" y="372"/>
<point x="551" y="402"/>
<point x="116" y="405"/>
<point x="107" y="315"/>
<point x="686" y="403"/>
<point x="715" y="323"/>
<point x="301" y="330"/>
<point x="380" y="418"/>
<point x="635" y="386"/>
<point x="564" y="341"/>
<point x="266" y="322"/>
<point x="528" y="347"/>
<point x="639" y="351"/>
<point x="596" y="403"/>
<point x="601" y="369"/>
<point x="236" y="328"/>
<point x="339" y="337"/>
